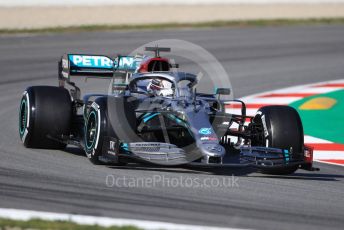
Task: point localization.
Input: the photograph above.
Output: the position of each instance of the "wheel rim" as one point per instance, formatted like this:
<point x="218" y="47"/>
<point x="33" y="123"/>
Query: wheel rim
<point x="91" y="130"/>
<point x="23" y="112"/>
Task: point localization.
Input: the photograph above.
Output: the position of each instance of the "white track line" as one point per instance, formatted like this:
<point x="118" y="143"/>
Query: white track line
<point x="307" y="88"/>
<point x="24" y="215"/>
<point x="330" y="163"/>
<point x="328" y="155"/>
<point x="273" y="100"/>
<point x="249" y="112"/>
<point x="311" y="140"/>
<point x="317" y="90"/>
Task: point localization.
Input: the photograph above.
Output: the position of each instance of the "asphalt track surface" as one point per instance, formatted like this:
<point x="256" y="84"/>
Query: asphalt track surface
<point x="257" y="59"/>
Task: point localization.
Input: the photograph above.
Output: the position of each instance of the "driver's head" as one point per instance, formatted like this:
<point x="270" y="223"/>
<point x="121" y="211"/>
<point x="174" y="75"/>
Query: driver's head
<point x="156" y="84"/>
<point x="160" y="87"/>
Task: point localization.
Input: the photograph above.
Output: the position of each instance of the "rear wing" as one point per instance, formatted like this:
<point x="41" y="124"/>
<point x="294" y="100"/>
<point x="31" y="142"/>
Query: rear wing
<point x="100" y="66"/>
<point x="96" y="66"/>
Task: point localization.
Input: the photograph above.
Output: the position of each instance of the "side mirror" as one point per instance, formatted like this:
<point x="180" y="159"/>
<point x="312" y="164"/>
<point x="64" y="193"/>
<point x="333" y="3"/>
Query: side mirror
<point x="223" y="91"/>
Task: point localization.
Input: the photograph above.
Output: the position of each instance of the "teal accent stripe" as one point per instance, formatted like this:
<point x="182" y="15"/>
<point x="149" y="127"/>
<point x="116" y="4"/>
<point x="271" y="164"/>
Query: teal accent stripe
<point x="93" y="141"/>
<point x="124" y="146"/>
<point x="22" y="127"/>
<point x="150" y="117"/>
<point x="286" y="155"/>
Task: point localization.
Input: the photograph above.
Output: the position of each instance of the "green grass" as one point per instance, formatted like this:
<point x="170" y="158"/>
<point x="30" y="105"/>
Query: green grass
<point x="311" y="119"/>
<point x="7" y="224"/>
<point x="159" y="26"/>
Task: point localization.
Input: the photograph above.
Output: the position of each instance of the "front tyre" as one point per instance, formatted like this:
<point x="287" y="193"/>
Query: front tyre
<point x="282" y="128"/>
<point x="111" y="117"/>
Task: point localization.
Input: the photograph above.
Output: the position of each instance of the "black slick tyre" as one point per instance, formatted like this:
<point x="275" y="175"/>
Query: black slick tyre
<point x="282" y="128"/>
<point x="44" y="116"/>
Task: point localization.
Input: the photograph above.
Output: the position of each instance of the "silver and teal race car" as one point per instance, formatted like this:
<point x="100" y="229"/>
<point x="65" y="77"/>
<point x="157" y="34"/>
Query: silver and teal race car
<point x="154" y="114"/>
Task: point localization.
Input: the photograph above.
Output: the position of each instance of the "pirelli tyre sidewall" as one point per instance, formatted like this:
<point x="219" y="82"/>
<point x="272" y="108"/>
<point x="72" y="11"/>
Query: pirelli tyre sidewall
<point x="282" y="128"/>
<point x="44" y="116"/>
<point x="95" y="130"/>
<point x="24" y="118"/>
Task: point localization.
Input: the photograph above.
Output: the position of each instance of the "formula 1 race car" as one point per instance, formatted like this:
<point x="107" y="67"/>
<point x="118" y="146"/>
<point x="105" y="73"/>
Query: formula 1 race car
<point x="155" y="114"/>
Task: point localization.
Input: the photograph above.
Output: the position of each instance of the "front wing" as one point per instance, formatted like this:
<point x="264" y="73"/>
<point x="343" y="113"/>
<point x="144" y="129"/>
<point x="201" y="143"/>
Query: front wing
<point x="170" y="155"/>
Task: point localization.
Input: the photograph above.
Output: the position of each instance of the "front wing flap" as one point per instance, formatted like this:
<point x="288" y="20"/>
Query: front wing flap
<point x="265" y="157"/>
<point x="159" y="153"/>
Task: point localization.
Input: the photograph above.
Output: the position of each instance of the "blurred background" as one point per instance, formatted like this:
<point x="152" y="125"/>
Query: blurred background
<point x="16" y="14"/>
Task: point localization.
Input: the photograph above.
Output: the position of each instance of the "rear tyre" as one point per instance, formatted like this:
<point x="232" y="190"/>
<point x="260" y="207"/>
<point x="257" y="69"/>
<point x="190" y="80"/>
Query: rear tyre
<point x="44" y="116"/>
<point x="282" y="128"/>
<point x="108" y="117"/>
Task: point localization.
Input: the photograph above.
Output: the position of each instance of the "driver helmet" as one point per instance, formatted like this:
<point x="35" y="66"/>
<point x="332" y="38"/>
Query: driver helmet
<point x="160" y="87"/>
